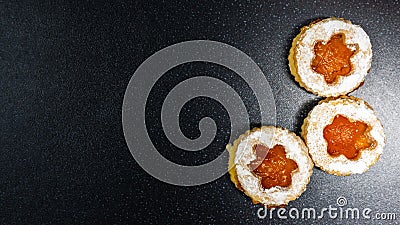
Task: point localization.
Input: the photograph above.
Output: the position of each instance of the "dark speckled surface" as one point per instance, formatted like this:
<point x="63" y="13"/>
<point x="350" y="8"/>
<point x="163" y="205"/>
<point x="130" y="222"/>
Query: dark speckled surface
<point x="64" y="70"/>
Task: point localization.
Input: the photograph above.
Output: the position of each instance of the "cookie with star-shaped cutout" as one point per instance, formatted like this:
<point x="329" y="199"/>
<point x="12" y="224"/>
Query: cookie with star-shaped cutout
<point x="343" y="135"/>
<point x="330" y="57"/>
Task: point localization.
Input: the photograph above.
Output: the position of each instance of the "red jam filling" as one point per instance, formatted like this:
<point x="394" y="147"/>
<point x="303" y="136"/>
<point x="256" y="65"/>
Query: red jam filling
<point x="272" y="165"/>
<point x="346" y="137"/>
<point x="333" y="58"/>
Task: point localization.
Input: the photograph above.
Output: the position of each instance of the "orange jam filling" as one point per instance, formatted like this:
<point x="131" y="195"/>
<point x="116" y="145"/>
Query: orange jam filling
<point x="333" y="58"/>
<point x="272" y="166"/>
<point x="346" y="137"/>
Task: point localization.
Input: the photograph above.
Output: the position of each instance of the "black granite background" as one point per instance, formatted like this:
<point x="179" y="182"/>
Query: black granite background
<point x="64" y="69"/>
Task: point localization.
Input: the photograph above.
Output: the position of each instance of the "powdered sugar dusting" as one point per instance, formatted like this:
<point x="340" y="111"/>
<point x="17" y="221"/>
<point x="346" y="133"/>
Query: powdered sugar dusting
<point x="295" y="149"/>
<point x="322" y="31"/>
<point x="322" y="115"/>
